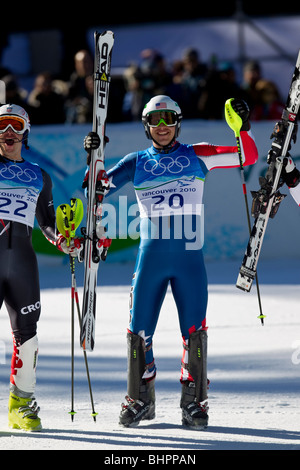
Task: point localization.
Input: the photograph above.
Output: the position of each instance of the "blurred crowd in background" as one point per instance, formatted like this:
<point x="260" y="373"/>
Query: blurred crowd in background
<point x="200" y="89"/>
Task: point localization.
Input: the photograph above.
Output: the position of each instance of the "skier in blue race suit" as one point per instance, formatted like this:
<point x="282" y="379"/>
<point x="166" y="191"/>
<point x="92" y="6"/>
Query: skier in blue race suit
<point x="168" y="179"/>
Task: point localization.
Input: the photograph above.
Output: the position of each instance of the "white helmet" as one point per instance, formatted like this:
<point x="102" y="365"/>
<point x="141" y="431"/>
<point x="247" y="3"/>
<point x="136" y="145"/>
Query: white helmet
<point x="13" y="110"/>
<point x="19" y="121"/>
<point x="161" y="103"/>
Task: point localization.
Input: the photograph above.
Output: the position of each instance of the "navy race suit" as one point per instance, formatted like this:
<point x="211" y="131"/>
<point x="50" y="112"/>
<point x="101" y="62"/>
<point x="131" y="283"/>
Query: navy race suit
<point x="169" y="190"/>
<point x="25" y="193"/>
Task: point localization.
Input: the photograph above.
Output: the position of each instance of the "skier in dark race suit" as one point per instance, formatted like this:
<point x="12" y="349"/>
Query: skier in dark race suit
<point x="168" y="179"/>
<point x="25" y="193"/>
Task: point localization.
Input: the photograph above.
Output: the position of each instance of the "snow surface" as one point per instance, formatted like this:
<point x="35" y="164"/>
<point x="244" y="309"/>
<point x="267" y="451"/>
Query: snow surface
<point x="254" y="370"/>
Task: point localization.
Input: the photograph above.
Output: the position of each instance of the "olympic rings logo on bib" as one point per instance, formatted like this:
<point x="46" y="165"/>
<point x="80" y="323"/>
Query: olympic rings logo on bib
<point x="166" y="164"/>
<point x="15" y="171"/>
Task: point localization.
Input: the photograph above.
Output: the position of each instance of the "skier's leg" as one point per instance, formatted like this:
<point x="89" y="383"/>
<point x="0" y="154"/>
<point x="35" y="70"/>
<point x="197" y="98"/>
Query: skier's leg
<point x="141" y="393"/>
<point x="149" y="286"/>
<point x="22" y="407"/>
<point x="189" y="288"/>
<point x="147" y="294"/>
<point x="194" y="391"/>
<point x="24" y="308"/>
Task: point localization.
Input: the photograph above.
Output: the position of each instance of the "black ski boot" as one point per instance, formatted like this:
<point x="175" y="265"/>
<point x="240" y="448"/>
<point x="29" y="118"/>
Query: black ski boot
<point x="139" y="409"/>
<point x="194" y="413"/>
<point x="140" y="392"/>
<point x="194" y="393"/>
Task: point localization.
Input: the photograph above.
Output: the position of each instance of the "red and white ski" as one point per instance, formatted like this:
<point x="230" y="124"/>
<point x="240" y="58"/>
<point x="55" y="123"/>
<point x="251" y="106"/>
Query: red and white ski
<point x="94" y="250"/>
<point x="268" y="197"/>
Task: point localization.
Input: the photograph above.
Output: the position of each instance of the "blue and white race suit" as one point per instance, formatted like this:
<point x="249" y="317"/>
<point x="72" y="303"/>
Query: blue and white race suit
<point x="169" y="190"/>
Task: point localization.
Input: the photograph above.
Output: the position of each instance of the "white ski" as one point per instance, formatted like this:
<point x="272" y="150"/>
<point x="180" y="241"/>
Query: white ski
<point x="92" y="253"/>
<point x="280" y="149"/>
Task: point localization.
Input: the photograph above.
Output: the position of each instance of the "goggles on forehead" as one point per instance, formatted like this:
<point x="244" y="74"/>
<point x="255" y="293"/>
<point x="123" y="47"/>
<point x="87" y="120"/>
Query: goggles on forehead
<point x="168" y="118"/>
<point x="16" y="123"/>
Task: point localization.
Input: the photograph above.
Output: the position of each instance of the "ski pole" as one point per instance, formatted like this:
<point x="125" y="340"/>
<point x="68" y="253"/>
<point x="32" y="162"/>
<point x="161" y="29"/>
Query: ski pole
<point x="235" y="122"/>
<point x="64" y="226"/>
<point x="68" y="219"/>
<point x="74" y="206"/>
<point x="75" y="292"/>
<point x="72" y="412"/>
<point x="66" y="231"/>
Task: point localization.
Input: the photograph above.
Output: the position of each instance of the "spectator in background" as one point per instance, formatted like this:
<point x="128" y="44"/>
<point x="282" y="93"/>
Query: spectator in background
<point x="14" y="93"/>
<point x="201" y="88"/>
<point x="154" y="72"/>
<point x="116" y="98"/>
<point x="251" y="75"/>
<point x="268" y="101"/>
<point x="192" y="79"/>
<point x="177" y="71"/>
<point x="145" y="80"/>
<point x="132" y="99"/>
<point x="46" y="104"/>
<point x="79" y="104"/>
<point x="220" y="85"/>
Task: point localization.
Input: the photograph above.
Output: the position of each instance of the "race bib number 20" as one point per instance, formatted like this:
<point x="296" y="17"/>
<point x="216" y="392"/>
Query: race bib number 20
<point x="171" y="199"/>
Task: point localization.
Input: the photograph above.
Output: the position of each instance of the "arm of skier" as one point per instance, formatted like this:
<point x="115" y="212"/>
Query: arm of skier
<point x="215" y="156"/>
<point x="120" y="174"/>
<point x="295" y="193"/>
<point x="46" y="218"/>
<point x="45" y="210"/>
<point x="291" y="176"/>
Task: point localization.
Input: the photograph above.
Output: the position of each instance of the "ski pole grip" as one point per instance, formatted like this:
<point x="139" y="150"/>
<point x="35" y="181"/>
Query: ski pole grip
<point x="233" y="120"/>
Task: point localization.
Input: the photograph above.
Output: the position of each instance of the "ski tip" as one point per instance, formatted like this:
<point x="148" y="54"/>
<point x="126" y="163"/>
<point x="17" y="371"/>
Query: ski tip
<point x="244" y="287"/>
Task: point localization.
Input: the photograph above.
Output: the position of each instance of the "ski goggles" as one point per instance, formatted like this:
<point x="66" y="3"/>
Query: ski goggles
<point x="16" y="123"/>
<point x="168" y="118"/>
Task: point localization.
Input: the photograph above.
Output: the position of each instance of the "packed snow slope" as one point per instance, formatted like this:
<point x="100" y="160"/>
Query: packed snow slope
<point x="254" y="370"/>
